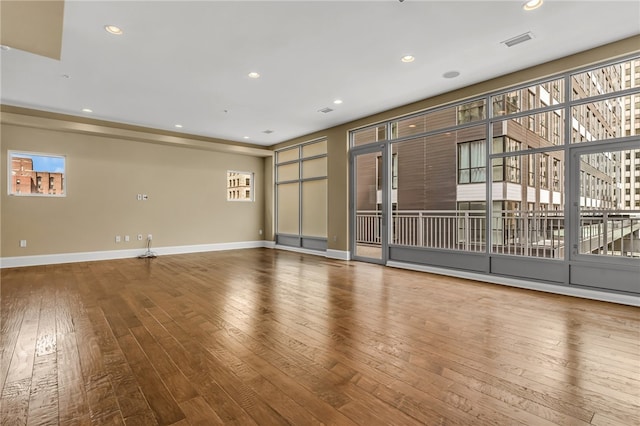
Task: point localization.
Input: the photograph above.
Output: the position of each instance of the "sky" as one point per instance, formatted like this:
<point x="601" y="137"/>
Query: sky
<point x="44" y="163"/>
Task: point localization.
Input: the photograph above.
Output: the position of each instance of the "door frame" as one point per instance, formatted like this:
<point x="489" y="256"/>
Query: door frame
<point x="381" y="148"/>
<point x="574" y="193"/>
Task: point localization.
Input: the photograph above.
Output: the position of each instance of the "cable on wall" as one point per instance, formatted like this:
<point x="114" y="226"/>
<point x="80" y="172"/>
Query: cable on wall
<point x="148" y="254"/>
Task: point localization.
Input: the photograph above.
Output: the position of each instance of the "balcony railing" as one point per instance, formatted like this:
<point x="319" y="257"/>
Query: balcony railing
<point x="610" y="233"/>
<point x="516" y="232"/>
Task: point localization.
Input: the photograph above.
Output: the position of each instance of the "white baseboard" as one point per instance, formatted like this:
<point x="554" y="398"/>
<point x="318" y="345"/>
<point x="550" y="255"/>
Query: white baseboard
<point x="51" y="259"/>
<point x="331" y="254"/>
<point x="623" y="299"/>
<point x="338" y="254"/>
<point x="300" y="250"/>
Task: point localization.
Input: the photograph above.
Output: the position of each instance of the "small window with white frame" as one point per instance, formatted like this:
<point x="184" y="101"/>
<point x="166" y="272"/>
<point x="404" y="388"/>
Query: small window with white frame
<point x="240" y="186"/>
<point x="36" y="174"/>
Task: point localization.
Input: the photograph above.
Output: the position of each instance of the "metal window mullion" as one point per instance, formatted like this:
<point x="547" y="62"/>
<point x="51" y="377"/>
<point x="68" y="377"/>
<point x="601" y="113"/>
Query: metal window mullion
<point x="489" y="183"/>
<point x="572" y="192"/>
<point x="605" y="96"/>
<point x="300" y="195"/>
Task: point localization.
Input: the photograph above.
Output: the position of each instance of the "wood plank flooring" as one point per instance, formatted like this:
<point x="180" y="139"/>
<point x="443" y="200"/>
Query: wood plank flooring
<point x="268" y="337"/>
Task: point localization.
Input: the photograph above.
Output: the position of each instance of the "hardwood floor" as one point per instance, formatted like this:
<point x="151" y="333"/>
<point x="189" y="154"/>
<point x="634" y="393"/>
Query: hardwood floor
<point x="268" y="337"/>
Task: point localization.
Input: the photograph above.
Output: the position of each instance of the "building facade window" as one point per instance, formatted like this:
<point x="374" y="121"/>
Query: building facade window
<point x="471" y="162"/>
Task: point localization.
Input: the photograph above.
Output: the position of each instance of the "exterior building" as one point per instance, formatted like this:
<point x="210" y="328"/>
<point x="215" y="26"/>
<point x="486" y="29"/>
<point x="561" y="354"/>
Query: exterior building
<point x="239" y="186"/>
<point x="25" y="180"/>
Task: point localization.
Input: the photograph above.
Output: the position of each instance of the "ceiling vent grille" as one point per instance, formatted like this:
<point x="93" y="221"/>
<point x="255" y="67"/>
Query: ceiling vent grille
<point x="267" y="131"/>
<point x="325" y="110"/>
<point x="518" y="39"/>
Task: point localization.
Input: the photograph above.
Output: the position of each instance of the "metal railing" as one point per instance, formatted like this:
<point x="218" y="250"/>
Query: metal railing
<point x="515" y="232"/>
<point x="610" y="233"/>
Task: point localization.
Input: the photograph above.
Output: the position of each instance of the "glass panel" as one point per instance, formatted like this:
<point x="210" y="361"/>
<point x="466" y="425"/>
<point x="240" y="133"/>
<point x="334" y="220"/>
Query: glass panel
<point x="288" y="172"/>
<point x="427" y="122"/>
<point x="472" y="111"/>
<point x="314" y="208"/>
<point x="288" y="209"/>
<point x="368" y="229"/>
<point x="288" y="155"/>
<point x="528" y="220"/>
<point x="610" y="204"/>
<point x="533" y="131"/>
<point x="369" y="135"/>
<point x="317" y="148"/>
<point x="608" y="79"/>
<point x="529" y="98"/>
<point x="608" y="119"/>
<point x="430" y="208"/>
<point x="314" y="168"/>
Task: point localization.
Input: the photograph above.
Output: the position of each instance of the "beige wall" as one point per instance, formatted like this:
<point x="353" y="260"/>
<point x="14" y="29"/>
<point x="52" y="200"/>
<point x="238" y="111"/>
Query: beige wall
<point x="186" y="188"/>
<point x="337" y="137"/>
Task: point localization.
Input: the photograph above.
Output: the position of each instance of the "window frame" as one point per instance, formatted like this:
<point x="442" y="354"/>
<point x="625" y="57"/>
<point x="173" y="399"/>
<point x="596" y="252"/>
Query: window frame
<point x="234" y="178"/>
<point x="11" y="154"/>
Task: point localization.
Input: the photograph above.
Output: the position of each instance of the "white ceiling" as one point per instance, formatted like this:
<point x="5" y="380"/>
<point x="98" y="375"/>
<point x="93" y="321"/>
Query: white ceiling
<point x="187" y="62"/>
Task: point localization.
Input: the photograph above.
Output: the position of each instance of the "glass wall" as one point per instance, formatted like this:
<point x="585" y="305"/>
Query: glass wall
<point x="492" y="175"/>
<point x="301" y="195"/>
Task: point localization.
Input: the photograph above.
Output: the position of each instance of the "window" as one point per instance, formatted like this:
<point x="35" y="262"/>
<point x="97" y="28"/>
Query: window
<point x="472" y="111"/>
<point x="556" y="174"/>
<point x="27" y="170"/>
<point x="240" y="186"/>
<point x="301" y="192"/>
<point x="532" y="170"/>
<point x="471" y="162"/>
<point x="544" y="164"/>
<point x="506" y="169"/>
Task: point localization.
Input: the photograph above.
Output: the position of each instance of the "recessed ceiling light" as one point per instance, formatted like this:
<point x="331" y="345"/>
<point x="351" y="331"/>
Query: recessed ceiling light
<point x="408" y="58"/>
<point x="3" y="47"/>
<point x="112" y="29"/>
<point x="179" y="126"/>
<point x="337" y="101"/>
<point x="246" y="137"/>
<point x="451" y="74"/>
<point x="254" y="75"/>
<point x="412" y="126"/>
<point x="87" y="110"/>
<point x="532" y="4"/>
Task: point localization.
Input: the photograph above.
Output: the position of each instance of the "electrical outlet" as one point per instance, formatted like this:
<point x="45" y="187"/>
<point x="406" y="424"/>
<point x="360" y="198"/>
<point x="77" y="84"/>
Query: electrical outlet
<point x="139" y="197"/>
<point x="149" y="237"/>
<point x="139" y="237"/>
<point x="117" y="238"/>
<point x="145" y="197"/>
<point x="23" y="243"/>
<point x="126" y="238"/>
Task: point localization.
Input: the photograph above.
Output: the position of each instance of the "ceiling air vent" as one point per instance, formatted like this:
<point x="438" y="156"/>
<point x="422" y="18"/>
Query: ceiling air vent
<point x="267" y="131"/>
<point x="325" y="110"/>
<point x="518" y="39"/>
